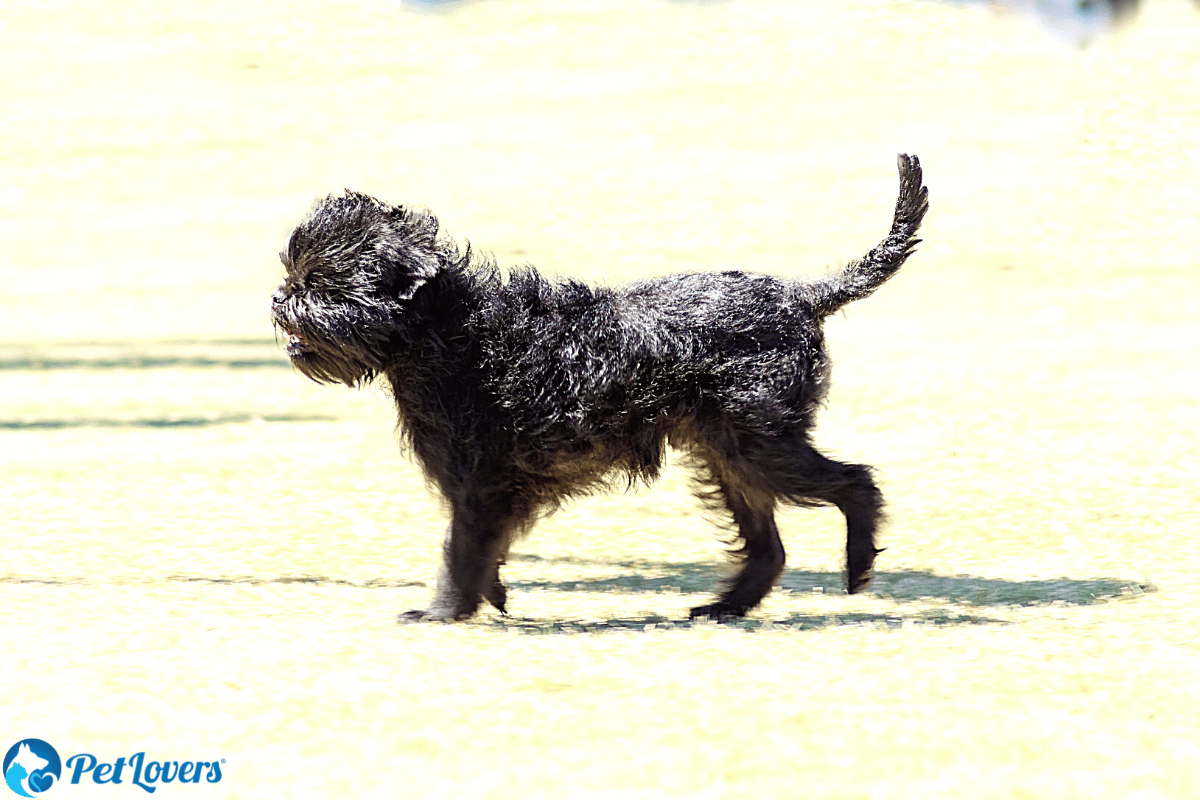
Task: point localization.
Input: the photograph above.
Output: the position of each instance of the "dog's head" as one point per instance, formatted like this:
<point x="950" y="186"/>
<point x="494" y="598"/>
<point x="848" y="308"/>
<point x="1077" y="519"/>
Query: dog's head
<point x="353" y="264"/>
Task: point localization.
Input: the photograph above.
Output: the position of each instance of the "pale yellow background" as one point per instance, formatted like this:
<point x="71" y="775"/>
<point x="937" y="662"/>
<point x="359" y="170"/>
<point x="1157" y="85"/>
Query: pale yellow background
<point x="202" y="554"/>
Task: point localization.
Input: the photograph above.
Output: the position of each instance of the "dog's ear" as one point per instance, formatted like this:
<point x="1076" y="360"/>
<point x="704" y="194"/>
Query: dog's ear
<point x="410" y="248"/>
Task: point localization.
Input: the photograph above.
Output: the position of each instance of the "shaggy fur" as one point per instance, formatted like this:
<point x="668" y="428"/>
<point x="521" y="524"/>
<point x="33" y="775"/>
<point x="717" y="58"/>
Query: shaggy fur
<point x="515" y="394"/>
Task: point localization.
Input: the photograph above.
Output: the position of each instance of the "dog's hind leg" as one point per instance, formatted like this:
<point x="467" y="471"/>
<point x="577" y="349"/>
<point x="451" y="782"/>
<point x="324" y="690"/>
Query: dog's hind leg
<point x="761" y="551"/>
<point x="804" y="475"/>
<point x="476" y="545"/>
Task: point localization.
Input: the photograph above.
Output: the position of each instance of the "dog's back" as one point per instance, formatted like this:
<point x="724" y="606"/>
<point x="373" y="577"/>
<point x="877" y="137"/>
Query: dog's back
<point x="744" y="346"/>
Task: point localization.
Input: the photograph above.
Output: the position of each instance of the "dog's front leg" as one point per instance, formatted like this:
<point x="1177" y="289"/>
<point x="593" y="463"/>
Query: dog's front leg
<point x="495" y="592"/>
<point x="475" y="546"/>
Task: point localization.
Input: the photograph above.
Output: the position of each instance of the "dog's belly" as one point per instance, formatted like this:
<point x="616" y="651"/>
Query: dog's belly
<point x="582" y="472"/>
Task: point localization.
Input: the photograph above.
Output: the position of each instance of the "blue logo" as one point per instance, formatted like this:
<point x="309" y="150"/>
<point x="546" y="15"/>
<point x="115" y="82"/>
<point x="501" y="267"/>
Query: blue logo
<point x="145" y="773"/>
<point x="31" y="767"/>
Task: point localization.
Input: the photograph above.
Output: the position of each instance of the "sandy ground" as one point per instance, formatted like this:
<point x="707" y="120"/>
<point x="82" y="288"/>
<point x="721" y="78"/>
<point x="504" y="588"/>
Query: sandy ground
<point x="203" y="554"/>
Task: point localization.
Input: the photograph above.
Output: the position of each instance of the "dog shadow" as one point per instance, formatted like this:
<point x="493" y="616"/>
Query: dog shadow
<point x="937" y="600"/>
<point x="900" y="585"/>
<point x="797" y="622"/>
<point x="962" y="599"/>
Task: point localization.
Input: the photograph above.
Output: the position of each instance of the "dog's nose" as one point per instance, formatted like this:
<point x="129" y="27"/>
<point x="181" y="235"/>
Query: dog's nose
<point x="278" y="296"/>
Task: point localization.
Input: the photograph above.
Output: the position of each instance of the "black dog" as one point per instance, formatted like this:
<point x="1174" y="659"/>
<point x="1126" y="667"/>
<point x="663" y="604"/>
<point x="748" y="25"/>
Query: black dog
<point x="517" y="394"/>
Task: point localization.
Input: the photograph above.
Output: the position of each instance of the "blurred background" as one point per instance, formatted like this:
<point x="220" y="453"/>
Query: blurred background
<point x="153" y="158"/>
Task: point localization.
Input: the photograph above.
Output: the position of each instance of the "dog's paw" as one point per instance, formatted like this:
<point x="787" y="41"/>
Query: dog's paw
<point x="421" y="615"/>
<point x="718" y="611"/>
<point x="860" y="570"/>
<point x="497" y="595"/>
<point x="858" y="583"/>
<point x="435" y="614"/>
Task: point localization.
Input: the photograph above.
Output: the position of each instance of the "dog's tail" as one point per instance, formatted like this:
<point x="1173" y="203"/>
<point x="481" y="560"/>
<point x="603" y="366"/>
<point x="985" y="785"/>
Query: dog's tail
<point x="859" y="278"/>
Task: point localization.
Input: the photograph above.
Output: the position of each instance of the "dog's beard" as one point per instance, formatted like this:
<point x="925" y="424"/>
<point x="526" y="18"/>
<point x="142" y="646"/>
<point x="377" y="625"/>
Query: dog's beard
<point x="334" y="346"/>
<point x="324" y="365"/>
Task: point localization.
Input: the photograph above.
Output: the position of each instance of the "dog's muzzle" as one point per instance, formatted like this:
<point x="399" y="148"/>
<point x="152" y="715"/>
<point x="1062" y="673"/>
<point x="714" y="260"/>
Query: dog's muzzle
<point x="295" y="344"/>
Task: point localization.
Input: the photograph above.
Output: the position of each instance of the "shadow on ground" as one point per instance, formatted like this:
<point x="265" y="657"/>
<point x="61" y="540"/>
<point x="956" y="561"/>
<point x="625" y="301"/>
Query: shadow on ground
<point x="652" y="622"/>
<point x="157" y="422"/>
<point x="139" y="361"/>
<point x="689" y="578"/>
<point x="238" y="580"/>
<point x="310" y="580"/>
<point x="901" y="585"/>
<point x="238" y="354"/>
